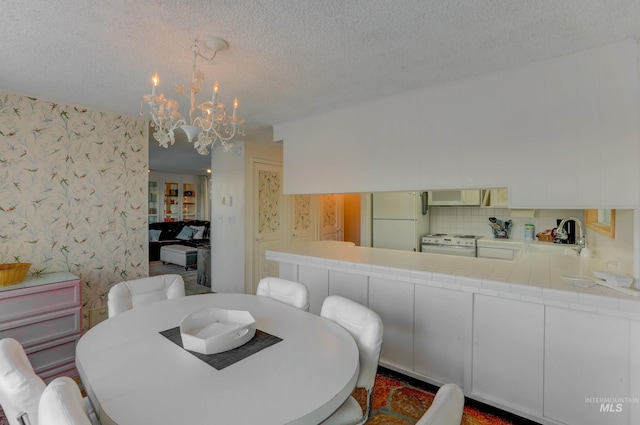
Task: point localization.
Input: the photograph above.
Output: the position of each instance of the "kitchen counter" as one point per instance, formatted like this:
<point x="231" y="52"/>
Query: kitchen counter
<point x="512" y="333"/>
<point x="531" y="276"/>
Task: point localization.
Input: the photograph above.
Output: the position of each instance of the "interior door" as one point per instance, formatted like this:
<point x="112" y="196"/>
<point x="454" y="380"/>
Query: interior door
<point x="267" y="220"/>
<point x="302" y="219"/>
<point x="332" y="218"/>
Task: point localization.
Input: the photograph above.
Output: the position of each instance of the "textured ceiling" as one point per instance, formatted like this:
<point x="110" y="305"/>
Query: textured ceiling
<point x="287" y="58"/>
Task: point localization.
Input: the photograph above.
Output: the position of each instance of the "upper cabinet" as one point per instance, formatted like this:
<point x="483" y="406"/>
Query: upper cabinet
<point x="454" y="197"/>
<point x="495" y="198"/>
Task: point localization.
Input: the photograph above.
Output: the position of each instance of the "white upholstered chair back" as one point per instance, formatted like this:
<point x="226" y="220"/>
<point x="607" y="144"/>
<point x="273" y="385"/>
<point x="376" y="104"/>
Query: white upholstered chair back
<point x="126" y="295"/>
<point x="61" y="404"/>
<point x="447" y="407"/>
<point x="20" y="387"/>
<point x="286" y="291"/>
<point x="366" y="328"/>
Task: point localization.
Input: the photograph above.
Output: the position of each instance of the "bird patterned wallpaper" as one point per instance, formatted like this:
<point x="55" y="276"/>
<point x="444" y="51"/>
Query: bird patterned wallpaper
<point x="73" y="193"/>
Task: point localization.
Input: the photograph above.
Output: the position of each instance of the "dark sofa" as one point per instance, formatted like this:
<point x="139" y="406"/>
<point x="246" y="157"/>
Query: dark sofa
<point x="168" y="232"/>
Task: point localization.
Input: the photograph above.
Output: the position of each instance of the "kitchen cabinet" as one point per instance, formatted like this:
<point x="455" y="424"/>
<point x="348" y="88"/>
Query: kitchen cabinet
<point x="547" y="360"/>
<point x="44" y="315"/>
<point x="317" y="282"/>
<point x="495" y="198"/>
<point x="493" y="252"/>
<point x="502" y="249"/>
<point x="393" y="301"/>
<point x="454" y="197"/>
<point x="349" y="285"/>
<point x="508" y="338"/>
<point x="586" y="358"/>
<point x="442" y="332"/>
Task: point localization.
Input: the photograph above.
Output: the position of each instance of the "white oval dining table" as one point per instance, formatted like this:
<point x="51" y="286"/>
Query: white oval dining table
<point x="134" y="375"/>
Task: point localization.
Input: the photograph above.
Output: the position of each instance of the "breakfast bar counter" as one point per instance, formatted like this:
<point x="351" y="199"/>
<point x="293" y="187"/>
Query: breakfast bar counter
<point x="536" y="271"/>
<point x="514" y="334"/>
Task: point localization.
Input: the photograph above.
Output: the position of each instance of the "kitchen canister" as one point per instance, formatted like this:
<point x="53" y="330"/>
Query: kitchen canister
<point x="528" y="231"/>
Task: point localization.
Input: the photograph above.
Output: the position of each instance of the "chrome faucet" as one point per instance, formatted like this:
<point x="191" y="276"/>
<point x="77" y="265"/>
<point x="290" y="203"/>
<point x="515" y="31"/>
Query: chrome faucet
<point x="561" y="235"/>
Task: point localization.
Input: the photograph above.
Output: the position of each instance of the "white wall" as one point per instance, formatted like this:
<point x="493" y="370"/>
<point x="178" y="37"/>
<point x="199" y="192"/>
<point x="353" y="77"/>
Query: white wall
<point x="231" y="225"/>
<point x="561" y="133"/>
<point x="227" y="221"/>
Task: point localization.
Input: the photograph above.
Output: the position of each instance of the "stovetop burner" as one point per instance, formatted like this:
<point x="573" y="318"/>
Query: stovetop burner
<point x="452" y="236"/>
<point x="451" y="239"/>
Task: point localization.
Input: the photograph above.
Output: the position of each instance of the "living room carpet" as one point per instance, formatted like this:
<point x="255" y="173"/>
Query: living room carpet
<point x="190" y="276"/>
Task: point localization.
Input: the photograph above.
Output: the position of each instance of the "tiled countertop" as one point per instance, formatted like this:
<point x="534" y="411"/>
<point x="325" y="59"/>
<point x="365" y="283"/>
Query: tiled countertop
<point x="535" y="277"/>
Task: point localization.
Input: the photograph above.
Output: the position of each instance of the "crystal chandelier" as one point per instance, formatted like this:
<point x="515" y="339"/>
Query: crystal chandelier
<point x="211" y="125"/>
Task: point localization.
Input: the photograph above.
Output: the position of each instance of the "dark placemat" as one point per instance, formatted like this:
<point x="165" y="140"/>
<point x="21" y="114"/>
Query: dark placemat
<point x="219" y="361"/>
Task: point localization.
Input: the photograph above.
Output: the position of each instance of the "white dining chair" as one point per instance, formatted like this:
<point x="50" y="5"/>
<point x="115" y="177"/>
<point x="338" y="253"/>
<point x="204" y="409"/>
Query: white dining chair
<point x="61" y="404"/>
<point x="129" y="294"/>
<point x="366" y="328"/>
<point x="447" y="407"/>
<point x="20" y="387"/>
<point x="286" y="291"/>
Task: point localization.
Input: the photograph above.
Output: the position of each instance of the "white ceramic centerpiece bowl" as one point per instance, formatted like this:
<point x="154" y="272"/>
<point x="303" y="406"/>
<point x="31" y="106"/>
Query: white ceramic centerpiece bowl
<point x="214" y="330"/>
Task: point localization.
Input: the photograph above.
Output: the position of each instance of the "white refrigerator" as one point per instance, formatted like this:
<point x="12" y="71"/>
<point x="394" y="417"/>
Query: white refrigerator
<point x="399" y="220"/>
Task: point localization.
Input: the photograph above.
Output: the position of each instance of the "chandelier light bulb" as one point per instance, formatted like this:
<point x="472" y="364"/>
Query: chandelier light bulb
<point x="214" y="97"/>
<point x="155" y="80"/>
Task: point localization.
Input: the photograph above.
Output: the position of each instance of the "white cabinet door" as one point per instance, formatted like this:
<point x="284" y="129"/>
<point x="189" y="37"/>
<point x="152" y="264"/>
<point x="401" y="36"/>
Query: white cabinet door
<point x="586" y="359"/>
<point x="508" y="337"/>
<point x="442" y="334"/>
<point x="393" y="301"/>
<point x="317" y="282"/>
<point x="349" y="285"/>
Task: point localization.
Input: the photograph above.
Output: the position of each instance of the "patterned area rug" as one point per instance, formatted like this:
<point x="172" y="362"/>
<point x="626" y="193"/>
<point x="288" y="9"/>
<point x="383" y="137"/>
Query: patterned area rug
<point x="397" y="402"/>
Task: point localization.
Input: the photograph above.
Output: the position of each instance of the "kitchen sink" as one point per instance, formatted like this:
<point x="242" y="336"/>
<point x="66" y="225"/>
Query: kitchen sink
<point x="553" y="249"/>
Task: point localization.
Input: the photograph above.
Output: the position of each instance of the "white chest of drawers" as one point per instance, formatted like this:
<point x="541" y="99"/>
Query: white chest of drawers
<point x="45" y="315"/>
